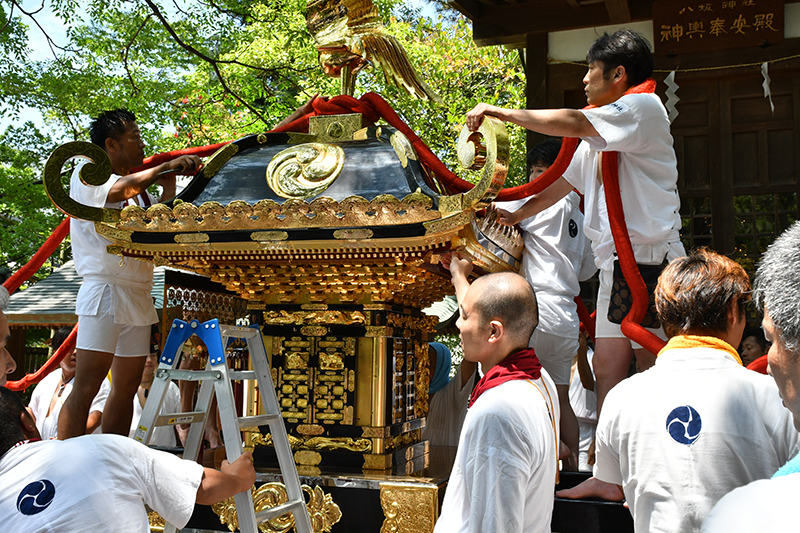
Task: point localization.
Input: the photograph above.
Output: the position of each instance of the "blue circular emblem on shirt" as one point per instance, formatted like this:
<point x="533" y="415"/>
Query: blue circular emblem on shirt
<point x="683" y="424"/>
<point x="573" y="228"/>
<point x="36" y="497"/>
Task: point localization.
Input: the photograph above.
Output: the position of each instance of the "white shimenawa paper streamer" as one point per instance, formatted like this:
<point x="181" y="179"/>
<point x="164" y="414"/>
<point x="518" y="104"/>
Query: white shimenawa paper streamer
<point x="767" y="81"/>
<point x="672" y="97"/>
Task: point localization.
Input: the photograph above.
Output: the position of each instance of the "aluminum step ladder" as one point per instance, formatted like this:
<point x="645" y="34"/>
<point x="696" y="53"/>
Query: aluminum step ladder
<point x="216" y="380"/>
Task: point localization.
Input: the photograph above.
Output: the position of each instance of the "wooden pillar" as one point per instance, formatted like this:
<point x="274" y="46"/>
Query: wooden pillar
<point x="16" y="347"/>
<point x="536" y="79"/>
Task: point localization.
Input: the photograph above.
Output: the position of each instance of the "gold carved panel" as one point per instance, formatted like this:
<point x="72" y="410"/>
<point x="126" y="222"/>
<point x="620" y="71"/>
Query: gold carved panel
<point x="409" y="507"/>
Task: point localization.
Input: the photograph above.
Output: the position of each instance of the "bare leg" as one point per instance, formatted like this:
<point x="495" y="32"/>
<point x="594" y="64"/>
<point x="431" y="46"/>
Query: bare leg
<point x="212" y="427"/>
<point x="126" y="374"/>
<point x="187" y="389"/>
<point x="570" y="433"/>
<point x="91" y="368"/>
<point x="644" y="359"/>
<point x="612" y="359"/>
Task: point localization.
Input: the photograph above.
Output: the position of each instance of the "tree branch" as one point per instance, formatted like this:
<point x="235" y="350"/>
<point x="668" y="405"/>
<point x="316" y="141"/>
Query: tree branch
<point x="50" y="41"/>
<point x="127" y="50"/>
<point x="213" y="62"/>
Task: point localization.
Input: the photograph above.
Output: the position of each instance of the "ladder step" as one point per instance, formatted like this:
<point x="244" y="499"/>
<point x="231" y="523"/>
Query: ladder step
<point x="188" y="375"/>
<point x="172" y="419"/>
<point x="238" y="332"/>
<point x="274" y="512"/>
<point x="240" y="375"/>
<point x="258" y="420"/>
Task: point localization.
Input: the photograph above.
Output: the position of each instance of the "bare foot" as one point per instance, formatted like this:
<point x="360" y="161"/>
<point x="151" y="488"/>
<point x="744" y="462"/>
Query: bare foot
<point x="593" y="488"/>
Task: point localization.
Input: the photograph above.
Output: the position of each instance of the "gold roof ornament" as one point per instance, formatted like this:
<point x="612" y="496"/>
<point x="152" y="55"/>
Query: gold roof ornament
<point x="349" y="36"/>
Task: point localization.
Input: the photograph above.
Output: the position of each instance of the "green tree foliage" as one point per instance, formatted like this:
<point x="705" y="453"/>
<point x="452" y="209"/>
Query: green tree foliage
<point x="207" y="71"/>
<point x="26" y="215"/>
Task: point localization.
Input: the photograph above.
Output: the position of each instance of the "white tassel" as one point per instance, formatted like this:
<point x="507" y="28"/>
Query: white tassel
<point x="767" y="81"/>
<point x="672" y="97"/>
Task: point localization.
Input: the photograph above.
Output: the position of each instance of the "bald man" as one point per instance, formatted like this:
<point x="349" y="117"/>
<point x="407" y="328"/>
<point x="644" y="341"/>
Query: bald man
<point x="507" y="460"/>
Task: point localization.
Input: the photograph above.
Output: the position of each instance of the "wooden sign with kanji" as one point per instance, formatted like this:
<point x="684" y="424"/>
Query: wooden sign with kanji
<point x="685" y="26"/>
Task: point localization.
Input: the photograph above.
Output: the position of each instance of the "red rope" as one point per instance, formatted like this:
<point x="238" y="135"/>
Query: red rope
<point x="632" y="323"/>
<point x="587" y="320"/>
<point x="52" y="364"/>
<point x="35" y="263"/>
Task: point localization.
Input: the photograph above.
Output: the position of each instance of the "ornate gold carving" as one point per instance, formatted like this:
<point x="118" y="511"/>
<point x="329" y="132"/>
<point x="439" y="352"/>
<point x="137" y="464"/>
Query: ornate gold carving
<point x="283" y="317"/>
<point x="353" y="211"/>
<point x="402" y="146"/>
<point x="450" y="223"/>
<point x="304" y="171"/>
<point x="334" y="128"/>
<point x="378" y="331"/>
<point x="314" y="331"/>
<point x="491" y="155"/>
<point x="408" y="507"/>
<point x="422" y="379"/>
<point x="322" y="510"/>
<point x="307" y="458"/>
<point x="370" y="432"/>
<point x="377" y="462"/>
<point x="352" y="234"/>
<point x="112" y="232"/>
<point x="219" y="158"/>
<point x="424" y="323"/>
<point x="350" y="444"/>
<point x="311" y="471"/>
<point x="349" y="413"/>
<point x="191" y="237"/>
<point x="157" y="523"/>
<point x="262" y="138"/>
<point x="310" y="429"/>
<point x="95" y="173"/>
<point x="330" y="361"/>
<point x="264" y="236"/>
<point x="403" y="439"/>
<point x="299" y="138"/>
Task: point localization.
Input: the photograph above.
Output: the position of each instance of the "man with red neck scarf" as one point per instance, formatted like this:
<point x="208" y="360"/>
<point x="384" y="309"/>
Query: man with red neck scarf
<point x="507" y="460"/>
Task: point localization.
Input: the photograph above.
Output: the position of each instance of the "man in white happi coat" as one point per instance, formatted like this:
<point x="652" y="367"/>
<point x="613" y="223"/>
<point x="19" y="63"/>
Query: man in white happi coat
<point x="114" y="307"/>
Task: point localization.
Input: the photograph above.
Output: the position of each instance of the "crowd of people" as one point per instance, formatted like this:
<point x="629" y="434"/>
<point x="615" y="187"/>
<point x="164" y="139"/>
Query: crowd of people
<point x="690" y="440"/>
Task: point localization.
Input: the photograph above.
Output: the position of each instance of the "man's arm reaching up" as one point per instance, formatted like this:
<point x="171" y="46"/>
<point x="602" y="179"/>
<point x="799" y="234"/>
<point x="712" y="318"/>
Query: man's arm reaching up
<point x="218" y="485"/>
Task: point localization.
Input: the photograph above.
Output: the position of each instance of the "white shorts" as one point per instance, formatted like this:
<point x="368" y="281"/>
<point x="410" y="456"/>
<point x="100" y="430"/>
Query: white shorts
<point x="99" y="333"/>
<point x="555" y="353"/>
<point x="602" y="327"/>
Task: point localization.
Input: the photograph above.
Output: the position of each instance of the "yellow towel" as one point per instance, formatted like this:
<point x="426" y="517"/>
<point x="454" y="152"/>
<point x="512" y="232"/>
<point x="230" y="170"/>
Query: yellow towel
<point x="697" y="341"/>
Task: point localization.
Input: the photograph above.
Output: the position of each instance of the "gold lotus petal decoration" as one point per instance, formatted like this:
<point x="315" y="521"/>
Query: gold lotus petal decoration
<point x="304" y="171"/>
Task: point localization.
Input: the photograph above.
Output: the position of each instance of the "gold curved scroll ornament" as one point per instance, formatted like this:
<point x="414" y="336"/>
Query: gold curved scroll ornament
<point x="304" y="171"/>
<point x="94" y="174"/>
<point x="322" y="510"/>
<point x="487" y="149"/>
